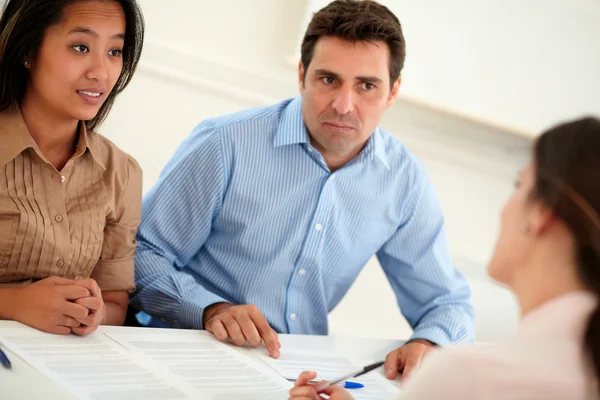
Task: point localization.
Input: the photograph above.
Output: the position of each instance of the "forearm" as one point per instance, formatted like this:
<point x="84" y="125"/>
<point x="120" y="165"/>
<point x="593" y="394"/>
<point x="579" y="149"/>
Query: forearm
<point x="166" y="292"/>
<point x="114" y="314"/>
<point x="115" y="307"/>
<point x="446" y="324"/>
<point x="7" y="303"/>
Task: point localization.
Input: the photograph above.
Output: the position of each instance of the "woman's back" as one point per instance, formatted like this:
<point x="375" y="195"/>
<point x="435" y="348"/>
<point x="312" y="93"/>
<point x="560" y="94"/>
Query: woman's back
<point x="545" y="360"/>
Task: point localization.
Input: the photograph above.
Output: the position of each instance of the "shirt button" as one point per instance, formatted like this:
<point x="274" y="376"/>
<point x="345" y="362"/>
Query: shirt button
<point x="58" y="218"/>
<point x="302" y="272"/>
<point x="60" y="263"/>
<point x="62" y="178"/>
<point x="318" y="227"/>
<point x="293" y="317"/>
<point x="332" y="176"/>
<point x="309" y="149"/>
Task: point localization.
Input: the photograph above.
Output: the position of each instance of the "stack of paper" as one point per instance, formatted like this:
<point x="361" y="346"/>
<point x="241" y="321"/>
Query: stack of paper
<point x="175" y="364"/>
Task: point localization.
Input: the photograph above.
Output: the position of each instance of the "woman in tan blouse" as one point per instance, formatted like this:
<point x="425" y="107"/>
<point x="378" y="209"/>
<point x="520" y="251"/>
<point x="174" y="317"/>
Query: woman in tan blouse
<point x="70" y="200"/>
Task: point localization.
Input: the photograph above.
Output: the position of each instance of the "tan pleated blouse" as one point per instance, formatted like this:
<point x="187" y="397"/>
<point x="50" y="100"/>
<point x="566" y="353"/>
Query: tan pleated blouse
<point x="76" y="223"/>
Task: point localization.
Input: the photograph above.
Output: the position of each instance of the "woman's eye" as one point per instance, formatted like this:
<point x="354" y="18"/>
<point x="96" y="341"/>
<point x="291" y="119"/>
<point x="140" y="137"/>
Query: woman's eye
<point x="80" y="48"/>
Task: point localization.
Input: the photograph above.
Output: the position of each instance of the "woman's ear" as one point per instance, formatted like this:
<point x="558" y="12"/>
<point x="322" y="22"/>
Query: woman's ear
<point x="541" y="219"/>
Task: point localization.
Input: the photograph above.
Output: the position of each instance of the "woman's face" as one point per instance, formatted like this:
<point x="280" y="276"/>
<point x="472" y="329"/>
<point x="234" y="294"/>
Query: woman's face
<point x="79" y="61"/>
<point x="514" y="244"/>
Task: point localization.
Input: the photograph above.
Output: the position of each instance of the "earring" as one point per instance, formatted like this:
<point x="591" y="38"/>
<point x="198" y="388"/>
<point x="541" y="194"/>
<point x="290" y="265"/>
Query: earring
<point x="26" y="62"/>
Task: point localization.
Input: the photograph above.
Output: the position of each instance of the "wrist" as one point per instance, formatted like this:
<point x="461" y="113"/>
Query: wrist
<point x="213" y="310"/>
<point x="8" y="303"/>
<point x="423" y="341"/>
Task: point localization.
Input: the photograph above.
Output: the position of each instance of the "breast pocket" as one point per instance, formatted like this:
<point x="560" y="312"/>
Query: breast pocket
<point x="10" y="217"/>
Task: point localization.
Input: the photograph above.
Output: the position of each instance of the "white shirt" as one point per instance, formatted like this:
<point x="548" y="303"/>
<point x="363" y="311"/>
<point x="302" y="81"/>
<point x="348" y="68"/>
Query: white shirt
<point x="544" y="360"/>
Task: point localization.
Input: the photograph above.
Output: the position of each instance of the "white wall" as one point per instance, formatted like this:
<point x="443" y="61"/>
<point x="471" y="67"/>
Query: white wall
<point x="202" y="60"/>
<point x="520" y="64"/>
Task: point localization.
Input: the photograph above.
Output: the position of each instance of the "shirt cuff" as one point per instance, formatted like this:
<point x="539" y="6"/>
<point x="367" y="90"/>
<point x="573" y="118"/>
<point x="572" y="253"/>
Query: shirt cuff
<point x="191" y="311"/>
<point x="434" y="335"/>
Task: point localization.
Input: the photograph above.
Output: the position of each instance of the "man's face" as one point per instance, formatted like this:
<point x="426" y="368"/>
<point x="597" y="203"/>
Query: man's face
<point x="345" y="92"/>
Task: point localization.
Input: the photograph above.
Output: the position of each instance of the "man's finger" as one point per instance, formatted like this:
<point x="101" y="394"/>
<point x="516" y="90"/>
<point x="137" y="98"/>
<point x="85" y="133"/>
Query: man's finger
<point x="233" y="329"/>
<point x="392" y="363"/>
<point x="267" y="333"/>
<point x="217" y="328"/>
<point x="413" y="359"/>
<point x="248" y="329"/>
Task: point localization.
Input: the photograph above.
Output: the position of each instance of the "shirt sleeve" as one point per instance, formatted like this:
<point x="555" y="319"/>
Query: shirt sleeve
<point x="433" y="296"/>
<point x="177" y="216"/>
<point x="448" y="375"/>
<point x="115" y="268"/>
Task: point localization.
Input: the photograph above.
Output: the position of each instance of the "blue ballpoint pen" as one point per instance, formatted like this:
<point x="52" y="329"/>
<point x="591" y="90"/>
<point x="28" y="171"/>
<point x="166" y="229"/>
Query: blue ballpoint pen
<point x="4" y="360"/>
<point x="345" y="385"/>
<point x="352" y="385"/>
<point x="366" y="369"/>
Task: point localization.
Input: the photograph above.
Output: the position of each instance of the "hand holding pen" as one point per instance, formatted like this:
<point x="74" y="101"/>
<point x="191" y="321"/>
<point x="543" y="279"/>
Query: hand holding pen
<point x="303" y="390"/>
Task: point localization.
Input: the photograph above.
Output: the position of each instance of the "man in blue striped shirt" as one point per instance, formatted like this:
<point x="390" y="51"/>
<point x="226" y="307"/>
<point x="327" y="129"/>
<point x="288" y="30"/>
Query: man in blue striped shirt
<point x="262" y="219"/>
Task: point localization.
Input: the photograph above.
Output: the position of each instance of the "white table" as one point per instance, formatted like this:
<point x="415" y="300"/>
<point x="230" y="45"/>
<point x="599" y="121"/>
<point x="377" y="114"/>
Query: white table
<point x="24" y="382"/>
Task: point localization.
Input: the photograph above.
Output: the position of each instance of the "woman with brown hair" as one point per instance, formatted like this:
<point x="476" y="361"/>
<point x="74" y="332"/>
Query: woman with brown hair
<point x="69" y="198"/>
<point x="548" y="253"/>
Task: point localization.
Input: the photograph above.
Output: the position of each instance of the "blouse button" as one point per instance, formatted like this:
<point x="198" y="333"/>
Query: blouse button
<point x="59" y="218"/>
<point x="60" y="263"/>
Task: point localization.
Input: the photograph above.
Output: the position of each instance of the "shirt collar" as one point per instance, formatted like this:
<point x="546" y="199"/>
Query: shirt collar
<point x="16" y="138"/>
<point x="379" y="147"/>
<point x="292" y="130"/>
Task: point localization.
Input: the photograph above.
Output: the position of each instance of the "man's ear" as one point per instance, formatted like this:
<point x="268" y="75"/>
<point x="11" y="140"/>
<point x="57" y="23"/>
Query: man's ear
<point x="394" y="92"/>
<point x="301" y="77"/>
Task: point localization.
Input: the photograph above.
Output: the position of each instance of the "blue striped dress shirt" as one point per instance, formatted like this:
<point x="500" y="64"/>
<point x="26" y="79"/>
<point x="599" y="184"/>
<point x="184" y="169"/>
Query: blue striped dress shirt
<point x="248" y="212"/>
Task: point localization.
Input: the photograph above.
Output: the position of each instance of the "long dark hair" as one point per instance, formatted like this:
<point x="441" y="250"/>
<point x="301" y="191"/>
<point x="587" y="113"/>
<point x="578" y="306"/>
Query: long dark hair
<point x="22" y="29"/>
<point x="567" y="164"/>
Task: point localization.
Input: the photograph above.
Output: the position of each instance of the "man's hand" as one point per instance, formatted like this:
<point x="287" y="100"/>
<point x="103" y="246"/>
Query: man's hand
<point x="48" y="305"/>
<point x="407" y="358"/>
<point x="94" y="303"/>
<point x="243" y="324"/>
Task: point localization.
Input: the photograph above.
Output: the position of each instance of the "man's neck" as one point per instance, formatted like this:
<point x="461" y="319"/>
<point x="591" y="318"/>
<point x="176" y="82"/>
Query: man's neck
<point x="335" y="160"/>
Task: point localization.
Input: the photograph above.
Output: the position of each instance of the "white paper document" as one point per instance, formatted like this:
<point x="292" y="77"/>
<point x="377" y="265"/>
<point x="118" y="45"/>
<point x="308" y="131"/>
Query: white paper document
<point x="172" y="364"/>
<point x="209" y="366"/>
<point x="92" y="367"/>
<point x="330" y="365"/>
